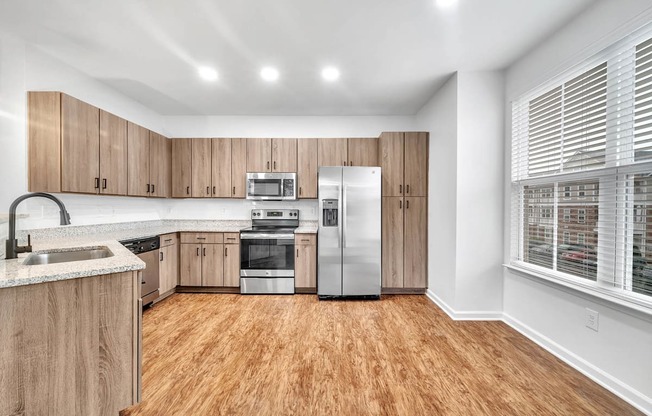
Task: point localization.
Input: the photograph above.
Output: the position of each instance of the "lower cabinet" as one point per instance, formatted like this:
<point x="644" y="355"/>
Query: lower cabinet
<point x="210" y="264"/>
<point x="169" y="263"/>
<point x="305" y="263"/>
<point x="404" y="242"/>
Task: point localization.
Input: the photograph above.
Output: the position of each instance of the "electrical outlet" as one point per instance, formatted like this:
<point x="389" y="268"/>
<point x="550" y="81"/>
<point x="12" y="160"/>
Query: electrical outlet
<point x="592" y="319"/>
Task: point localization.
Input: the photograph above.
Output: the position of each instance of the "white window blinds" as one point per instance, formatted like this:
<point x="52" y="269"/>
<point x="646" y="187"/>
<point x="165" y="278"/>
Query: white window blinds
<point x="582" y="172"/>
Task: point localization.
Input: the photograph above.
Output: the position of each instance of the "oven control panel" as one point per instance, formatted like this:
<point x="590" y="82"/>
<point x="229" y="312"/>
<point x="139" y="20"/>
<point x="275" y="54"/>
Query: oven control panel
<point x="275" y="214"/>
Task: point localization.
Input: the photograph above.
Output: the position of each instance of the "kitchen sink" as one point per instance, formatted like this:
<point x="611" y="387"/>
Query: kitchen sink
<point x="68" y="256"/>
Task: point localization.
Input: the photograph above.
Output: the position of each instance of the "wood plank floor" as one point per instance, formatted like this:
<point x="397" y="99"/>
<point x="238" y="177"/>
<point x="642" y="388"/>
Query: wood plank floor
<point x="216" y="354"/>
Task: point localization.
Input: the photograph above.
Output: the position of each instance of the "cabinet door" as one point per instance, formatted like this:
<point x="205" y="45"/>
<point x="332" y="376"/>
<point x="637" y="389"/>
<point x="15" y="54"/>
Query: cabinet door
<point x="190" y="265"/>
<point x="259" y="154"/>
<point x="392" y="239"/>
<point x="113" y="154"/>
<point x="416" y="242"/>
<point x="160" y="159"/>
<point x="137" y="160"/>
<point x="305" y="266"/>
<point x="212" y="265"/>
<point x="201" y="168"/>
<point x="307" y="167"/>
<point x="168" y="268"/>
<point x="363" y="152"/>
<point x="238" y="167"/>
<point x="181" y="168"/>
<point x="44" y="125"/>
<point x="232" y="265"/>
<point x="333" y="152"/>
<point x="80" y="146"/>
<point x="416" y="164"/>
<point x="221" y="168"/>
<point x="390" y="155"/>
<point x="284" y="155"/>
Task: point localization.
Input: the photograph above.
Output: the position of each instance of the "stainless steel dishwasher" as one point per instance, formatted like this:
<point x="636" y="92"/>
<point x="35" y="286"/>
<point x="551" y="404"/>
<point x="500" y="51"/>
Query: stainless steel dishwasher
<point x="146" y="249"/>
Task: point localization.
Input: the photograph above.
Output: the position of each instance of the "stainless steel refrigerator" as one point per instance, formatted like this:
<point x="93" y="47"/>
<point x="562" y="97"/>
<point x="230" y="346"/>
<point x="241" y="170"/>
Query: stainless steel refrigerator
<point x="349" y="239"/>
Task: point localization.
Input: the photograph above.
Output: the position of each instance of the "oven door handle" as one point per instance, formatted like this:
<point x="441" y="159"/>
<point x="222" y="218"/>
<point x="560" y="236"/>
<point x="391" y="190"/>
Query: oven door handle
<point x="266" y="236"/>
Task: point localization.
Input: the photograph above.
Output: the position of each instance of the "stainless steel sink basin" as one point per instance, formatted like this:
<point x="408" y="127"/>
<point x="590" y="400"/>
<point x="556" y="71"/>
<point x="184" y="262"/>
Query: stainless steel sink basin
<point x="68" y="256"/>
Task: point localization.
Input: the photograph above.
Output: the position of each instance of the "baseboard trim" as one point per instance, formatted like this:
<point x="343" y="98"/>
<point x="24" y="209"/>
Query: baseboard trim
<point x="463" y="315"/>
<point x="617" y="387"/>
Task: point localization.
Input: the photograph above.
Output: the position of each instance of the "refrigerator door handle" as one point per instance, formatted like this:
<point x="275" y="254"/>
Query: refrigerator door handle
<point x="343" y="220"/>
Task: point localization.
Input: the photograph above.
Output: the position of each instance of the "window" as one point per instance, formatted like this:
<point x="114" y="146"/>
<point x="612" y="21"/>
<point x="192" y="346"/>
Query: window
<point x="582" y="160"/>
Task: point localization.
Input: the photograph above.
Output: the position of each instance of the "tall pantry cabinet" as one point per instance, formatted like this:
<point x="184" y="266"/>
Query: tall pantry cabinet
<point x="404" y="160"/>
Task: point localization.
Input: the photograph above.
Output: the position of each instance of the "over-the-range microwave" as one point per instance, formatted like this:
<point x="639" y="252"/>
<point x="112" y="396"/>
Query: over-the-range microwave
<point x="271" y="186"/>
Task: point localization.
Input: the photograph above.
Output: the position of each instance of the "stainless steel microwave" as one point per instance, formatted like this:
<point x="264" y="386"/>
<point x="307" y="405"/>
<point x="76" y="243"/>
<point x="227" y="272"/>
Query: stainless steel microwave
<point x="271" y="186"/>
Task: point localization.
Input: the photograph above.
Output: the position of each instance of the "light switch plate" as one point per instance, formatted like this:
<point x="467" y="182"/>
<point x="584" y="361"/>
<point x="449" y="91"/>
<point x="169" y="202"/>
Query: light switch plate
<point x="592" y="319"/>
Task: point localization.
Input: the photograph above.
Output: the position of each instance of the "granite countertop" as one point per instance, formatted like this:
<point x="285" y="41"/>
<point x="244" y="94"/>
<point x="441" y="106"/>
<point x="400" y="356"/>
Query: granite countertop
<point x="15" y="273"/>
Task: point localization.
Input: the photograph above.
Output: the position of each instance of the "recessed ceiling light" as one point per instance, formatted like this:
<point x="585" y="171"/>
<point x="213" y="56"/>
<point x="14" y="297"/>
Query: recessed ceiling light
<point x="269" y="74"/>
<point x="445" y="3"/>
<point x="207" y="73"/>
<point x="330" y="73"/>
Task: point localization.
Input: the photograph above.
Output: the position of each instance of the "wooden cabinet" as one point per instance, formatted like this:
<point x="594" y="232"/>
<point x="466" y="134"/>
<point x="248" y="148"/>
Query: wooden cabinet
<point x="138" y="160"/>
<point x="307" y="168"/>
<point x="210" y="259"/>
<point x="169" y="263"/>
<point x="80" y="146"/>
<point x="201" y="168"/>
<point x="149" y="157"/>
<point x="404" y="242"/>
<point x="363" y="152"/>
<point x="181" y="168"/>
<point x="238" y="167"/>
<point x="305" y="263"/>
<point x="113" y="154"/>
<point x="271" y="155"/>
<point x="404" y="159"/>
<point x="221" y="168"/>
<point x="333" y="152"/>
<point x="44" y="141"/>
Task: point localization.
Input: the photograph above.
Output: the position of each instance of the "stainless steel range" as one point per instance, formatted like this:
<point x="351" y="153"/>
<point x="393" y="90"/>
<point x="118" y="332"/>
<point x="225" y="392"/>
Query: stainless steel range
<point x="267" y="252"/>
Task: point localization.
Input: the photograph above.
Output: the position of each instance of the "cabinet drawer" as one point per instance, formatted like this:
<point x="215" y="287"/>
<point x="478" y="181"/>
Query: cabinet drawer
<point x="305" y="239"/>
<point x="202" y="238"/>
<point x="169" y="239"/>
<point x="231" y="238"/>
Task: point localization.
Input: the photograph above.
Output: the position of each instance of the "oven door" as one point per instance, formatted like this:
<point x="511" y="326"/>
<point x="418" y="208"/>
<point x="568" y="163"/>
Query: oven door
<point x="266" y="255"/>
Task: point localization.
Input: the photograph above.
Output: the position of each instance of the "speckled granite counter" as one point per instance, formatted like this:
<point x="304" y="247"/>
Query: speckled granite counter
<point x="14" y="273"/>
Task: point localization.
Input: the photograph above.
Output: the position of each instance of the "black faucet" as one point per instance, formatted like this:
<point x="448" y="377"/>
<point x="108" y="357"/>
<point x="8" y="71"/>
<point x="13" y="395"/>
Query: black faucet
<point x="12" y="244"/>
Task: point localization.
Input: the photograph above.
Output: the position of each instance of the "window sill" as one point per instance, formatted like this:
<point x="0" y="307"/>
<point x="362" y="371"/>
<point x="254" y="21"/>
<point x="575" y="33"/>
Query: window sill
<point x="625" y="301"/>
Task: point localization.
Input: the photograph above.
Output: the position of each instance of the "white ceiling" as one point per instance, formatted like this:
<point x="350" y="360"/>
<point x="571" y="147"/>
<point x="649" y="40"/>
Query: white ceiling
<point x="392" y="54"/>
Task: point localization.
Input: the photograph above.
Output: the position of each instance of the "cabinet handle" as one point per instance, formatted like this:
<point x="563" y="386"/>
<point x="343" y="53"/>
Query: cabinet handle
<point x="344" y="163"/>
<point x="350" y="163"/>
<point x="160" y="256"/>
<point x="400" y="189"/>
<point x="97" y="183"/>
<point x="153" y="188"/>
<point x="305" y="240"/>
<point x="274" y="165"/>
<point x="198" y="251"/>
<point x="147" y="188"/>
<point x="201" y="238"/>
<point x="234" y="190"/>
<point x="297" y="253"/>
<point x="213" y="190"/>
<point x="400" y="204"/>
<point x="168" y="240"/>
<point x="187" y="190"/>
<point x="268" y="165"/>
<point x="407" y="189"/>
<point x="300" y="191"/>
<point x="231" y="238"/>
<point x="208" y="190"/>
<point x="226" y="252"/>
<point x="407" y="204"/>
<point x="204" y="251"/>
<point x="104" y="183"/>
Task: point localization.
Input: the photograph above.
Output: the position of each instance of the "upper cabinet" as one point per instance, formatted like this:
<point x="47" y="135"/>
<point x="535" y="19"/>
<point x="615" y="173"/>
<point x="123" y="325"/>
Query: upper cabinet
<point x="404" y="159"/>
<point x="333" y="152"/>
<point x="271" y="155"/>
<point x="208" y="168"/>
<point x="348" y="152"/>
<point x="307" y="169"/>
<point x="149" y="158"/>
<point x="363" y="152"/>
<point x="75" y="147"/>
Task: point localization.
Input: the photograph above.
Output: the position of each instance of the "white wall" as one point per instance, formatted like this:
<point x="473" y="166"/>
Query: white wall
<point x="439" y="117"/>
<point x="619" y="354"/>
<point x="465" y="121"/>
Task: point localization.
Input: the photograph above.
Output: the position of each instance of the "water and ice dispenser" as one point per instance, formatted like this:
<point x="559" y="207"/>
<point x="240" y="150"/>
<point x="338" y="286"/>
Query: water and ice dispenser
<point x="330" y="215"/>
